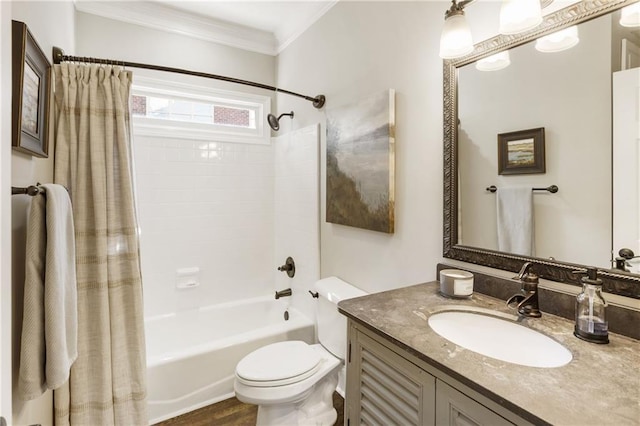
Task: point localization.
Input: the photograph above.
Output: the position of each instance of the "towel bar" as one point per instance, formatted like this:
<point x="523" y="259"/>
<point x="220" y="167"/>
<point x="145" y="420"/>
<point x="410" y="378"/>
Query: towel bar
<point x="30" y="190"/>
<point x="552" y="189"/>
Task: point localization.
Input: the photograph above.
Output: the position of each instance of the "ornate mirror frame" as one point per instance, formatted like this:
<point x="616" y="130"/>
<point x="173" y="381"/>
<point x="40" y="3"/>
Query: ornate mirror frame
<point x="621" y="283"/>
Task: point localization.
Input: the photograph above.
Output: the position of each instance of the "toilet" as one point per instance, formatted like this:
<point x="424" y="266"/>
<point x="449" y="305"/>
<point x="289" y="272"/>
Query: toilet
<point x="293" y="382"/>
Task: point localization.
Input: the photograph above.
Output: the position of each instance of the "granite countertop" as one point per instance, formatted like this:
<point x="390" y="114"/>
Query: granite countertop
<point x="601" y="385"/>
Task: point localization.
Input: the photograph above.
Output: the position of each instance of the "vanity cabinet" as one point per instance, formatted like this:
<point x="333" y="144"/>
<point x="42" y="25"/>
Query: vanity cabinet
<point x="389" y="386"/>
<point x="385" y="389"/>
<point x="455" y="408"/>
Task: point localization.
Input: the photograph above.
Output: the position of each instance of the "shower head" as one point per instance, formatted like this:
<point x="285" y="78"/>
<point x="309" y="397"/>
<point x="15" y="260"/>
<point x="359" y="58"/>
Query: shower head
<point x="274" y="122"/>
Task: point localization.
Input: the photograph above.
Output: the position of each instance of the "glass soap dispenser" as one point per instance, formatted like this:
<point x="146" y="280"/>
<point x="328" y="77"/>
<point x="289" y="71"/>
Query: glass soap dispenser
<point x="591" y="320"/>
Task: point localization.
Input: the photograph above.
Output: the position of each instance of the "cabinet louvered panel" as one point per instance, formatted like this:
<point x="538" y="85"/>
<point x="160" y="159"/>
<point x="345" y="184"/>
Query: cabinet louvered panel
<point x="395" y="395"/>
<point x="391" y="390"/>
<point x="453" y="408"/>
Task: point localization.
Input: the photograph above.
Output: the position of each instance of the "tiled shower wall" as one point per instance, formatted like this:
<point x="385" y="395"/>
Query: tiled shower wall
<point x="235" y="211"/>
<point x="205" y="205"/>
<point x="297" y="218"/>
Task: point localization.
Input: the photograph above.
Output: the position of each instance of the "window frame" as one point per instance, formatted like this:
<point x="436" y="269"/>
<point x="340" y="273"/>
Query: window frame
<point x="158" y="127"/>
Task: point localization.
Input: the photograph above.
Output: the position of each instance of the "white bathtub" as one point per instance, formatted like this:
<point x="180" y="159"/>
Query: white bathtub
<point x="192" y="355"/>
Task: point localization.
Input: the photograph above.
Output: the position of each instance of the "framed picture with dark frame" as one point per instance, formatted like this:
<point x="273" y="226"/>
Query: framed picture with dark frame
<point x="521" y="152"/>
<point x="31" y="82"/>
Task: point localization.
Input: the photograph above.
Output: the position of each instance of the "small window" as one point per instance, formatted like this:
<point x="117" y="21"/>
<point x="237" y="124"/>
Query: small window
<point x="185" y="111"/>
<point x="139" y="105"/>
<point x="233" y="116"/>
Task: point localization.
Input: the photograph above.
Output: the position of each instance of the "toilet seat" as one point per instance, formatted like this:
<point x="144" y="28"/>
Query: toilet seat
<point x="279" y="364"/>
<point x="283" y="394"/>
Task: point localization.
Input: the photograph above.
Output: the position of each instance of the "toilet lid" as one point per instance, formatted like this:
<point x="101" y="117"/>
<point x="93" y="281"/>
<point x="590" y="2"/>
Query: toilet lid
<point x="278" y="364"/>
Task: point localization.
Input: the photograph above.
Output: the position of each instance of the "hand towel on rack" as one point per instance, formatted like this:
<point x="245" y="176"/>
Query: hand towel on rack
<point x="515" y="220"/>
<point x="49" y="329"/>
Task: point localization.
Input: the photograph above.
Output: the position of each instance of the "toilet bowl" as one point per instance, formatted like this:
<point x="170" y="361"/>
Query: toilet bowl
<point x="293" y="382"/>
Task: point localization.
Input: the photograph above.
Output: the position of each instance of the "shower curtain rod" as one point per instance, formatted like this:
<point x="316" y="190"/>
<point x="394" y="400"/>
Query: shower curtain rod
<point x="59" y="56"/>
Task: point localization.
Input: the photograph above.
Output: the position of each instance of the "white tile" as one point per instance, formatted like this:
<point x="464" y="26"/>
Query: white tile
<point x="229" y="213"/>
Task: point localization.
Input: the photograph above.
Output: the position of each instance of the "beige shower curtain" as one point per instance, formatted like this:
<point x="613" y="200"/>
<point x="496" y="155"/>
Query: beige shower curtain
<point x="92" y="159"/>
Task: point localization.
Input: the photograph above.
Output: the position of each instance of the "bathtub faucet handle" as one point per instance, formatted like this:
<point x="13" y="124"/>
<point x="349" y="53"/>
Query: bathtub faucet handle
<point x="289" y="267"/>
<point x="283" y="293"/>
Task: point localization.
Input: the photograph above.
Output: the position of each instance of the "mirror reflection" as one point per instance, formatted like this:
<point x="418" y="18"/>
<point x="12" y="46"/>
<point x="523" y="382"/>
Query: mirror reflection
<point x="582" y="92"/>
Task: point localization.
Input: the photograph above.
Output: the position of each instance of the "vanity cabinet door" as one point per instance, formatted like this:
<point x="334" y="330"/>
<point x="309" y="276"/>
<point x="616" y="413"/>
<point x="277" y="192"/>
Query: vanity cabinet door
<point x="385" y="389"/>
<point x="454" y="408"/>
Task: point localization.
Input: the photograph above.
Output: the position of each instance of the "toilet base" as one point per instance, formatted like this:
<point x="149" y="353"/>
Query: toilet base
<point x="312" y="408"/>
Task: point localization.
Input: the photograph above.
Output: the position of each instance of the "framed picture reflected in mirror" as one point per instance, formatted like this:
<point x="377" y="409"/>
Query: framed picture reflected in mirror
<point x="521" y="152"/>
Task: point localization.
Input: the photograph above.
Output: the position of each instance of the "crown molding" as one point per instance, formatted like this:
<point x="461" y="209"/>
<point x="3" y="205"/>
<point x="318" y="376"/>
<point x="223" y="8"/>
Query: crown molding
<point x="285" y="40"/>
<point x="161" y="17"/>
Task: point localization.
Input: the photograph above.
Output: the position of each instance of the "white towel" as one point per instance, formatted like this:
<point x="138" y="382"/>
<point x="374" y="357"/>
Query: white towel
<point x="515" y="220"/>
<point x="50" y="318"/>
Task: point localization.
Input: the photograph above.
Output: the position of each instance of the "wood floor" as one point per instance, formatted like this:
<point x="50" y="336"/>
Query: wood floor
<point x="232" y="412"/>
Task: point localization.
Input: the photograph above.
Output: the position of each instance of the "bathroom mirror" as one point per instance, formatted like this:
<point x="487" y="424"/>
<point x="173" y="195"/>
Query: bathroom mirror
<point x="574" y="225"/>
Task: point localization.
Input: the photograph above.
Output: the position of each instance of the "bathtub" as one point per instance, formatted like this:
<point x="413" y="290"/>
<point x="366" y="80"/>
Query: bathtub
<point x="192" y="355"/>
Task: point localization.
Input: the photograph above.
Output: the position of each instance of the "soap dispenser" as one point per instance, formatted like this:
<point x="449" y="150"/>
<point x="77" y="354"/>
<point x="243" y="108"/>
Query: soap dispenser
<point x="591" y="320"/>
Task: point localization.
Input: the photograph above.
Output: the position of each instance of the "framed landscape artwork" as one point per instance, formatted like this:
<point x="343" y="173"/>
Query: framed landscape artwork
<point x="31" y="80"/>
<point x="361" y="163"/>
<point x="521" y="152"/>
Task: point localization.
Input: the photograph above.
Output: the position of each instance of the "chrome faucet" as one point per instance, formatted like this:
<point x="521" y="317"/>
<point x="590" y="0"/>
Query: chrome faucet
<point x="283" y="293"/>
<point x="527" y="299"/>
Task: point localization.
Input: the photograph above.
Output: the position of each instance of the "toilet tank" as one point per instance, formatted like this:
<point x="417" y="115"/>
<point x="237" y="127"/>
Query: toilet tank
<point x="332" y="325"/>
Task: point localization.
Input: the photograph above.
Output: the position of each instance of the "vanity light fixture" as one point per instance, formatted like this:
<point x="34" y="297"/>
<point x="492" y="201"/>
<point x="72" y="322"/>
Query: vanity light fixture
<point x="630" y="16"/>
<point x="456" y="40"/>
<point x="558" y="41"/>
<point x="494" y="62"/>
<point x="516" y="16"/>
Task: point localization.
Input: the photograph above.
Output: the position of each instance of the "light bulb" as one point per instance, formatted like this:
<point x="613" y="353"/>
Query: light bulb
<point x="494" y="62"/>
<point x="558" y="41"/>
<point x="630" y="16"/>
<point x="455" y="40"/>
<point x="517" y="16"/>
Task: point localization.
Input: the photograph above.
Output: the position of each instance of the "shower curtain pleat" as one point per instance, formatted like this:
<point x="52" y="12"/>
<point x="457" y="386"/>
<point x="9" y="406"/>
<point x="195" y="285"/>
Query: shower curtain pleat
<point x="107" y="385"/>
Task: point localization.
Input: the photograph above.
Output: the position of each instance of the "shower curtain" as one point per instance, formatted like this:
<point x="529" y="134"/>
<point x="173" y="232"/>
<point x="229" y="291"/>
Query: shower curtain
<point x="92" y="159"/>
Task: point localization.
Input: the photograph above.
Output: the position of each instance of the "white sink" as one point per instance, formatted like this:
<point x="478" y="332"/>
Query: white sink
<point x="499" y="338"/>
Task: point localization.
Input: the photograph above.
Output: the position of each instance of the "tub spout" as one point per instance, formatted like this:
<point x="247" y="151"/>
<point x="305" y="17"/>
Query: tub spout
<point x="283" y="293"/>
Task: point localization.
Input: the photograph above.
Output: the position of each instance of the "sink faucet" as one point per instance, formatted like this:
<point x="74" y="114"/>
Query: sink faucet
<point x="527" y="299"/>
<point x="625" y="255"/>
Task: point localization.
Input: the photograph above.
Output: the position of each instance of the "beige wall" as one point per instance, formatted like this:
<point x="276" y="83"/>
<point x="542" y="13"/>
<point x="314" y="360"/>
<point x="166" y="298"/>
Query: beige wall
<point x="52" y="24"/>
<point x="355" y="50"/>
<point x="106" y="38"/>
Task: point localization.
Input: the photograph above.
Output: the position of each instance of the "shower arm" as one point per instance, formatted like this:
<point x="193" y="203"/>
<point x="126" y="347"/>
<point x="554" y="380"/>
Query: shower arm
<point x="285" y="114"/>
